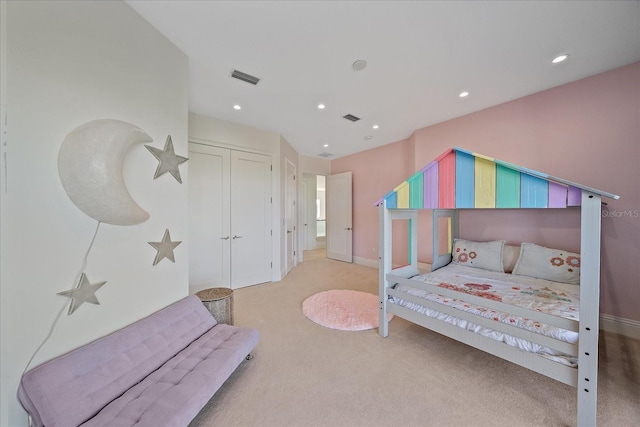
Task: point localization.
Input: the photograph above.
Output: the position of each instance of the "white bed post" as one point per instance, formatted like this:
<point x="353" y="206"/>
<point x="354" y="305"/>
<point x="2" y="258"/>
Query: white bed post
<point x="413" y="236"/>
<point x="384" y="265"/>
<point x="437" y="259"/>
<point x="589" y="308"/>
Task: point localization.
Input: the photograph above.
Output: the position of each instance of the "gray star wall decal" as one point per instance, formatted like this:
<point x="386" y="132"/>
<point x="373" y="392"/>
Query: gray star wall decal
<point x="165" y="248"/>
<point x="168" y="161"/>
<point x="83" y="292"/>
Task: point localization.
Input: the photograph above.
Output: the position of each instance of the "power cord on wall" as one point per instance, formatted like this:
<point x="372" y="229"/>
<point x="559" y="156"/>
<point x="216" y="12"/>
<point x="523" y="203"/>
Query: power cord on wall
<point x="55" y="322"/>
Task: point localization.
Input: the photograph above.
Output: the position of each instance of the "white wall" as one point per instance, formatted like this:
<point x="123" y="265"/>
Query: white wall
<point x="232" y="135"/>
<point x="314" y="165"/>
<point x="6" y="377"/>
<point x="69" y="63"/>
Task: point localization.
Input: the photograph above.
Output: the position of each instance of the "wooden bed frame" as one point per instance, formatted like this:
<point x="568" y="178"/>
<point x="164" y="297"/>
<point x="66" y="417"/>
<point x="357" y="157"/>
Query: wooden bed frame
<point x="585" y="377"/>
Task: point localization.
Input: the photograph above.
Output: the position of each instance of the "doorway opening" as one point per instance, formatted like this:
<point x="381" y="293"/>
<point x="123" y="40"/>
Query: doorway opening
<point x="321" y="208"/>
<point x="314" y="215"/>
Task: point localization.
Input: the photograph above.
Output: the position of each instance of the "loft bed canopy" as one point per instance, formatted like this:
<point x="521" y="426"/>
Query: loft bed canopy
<point x="460" y="179"/>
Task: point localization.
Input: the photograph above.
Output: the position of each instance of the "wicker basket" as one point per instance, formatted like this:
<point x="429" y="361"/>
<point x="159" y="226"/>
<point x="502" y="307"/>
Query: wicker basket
<point x="219" y="302"/>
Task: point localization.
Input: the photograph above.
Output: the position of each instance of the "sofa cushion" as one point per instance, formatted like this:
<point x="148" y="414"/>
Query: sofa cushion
<point x="175" y="393"/>
<point x="72" y="388"/>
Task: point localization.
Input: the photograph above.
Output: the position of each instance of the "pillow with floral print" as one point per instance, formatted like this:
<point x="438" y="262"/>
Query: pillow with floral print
<point x="485" y="255"/>
<point x="549" y="264"/>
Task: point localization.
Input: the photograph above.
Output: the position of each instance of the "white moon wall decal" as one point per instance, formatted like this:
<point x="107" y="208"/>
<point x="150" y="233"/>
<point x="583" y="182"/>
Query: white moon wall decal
<point x="90" y="164"/>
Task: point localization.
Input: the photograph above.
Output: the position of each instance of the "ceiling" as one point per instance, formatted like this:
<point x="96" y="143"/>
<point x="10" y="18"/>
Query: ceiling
<point x="420" y="56"/>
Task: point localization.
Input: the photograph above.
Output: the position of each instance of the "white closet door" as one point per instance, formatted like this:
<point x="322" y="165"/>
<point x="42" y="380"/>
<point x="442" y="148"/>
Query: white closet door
<point x="339" y="217"/>
<point x="209" y="222"/>
<point x="250" y="219"/>
<point x="290" y="217"/>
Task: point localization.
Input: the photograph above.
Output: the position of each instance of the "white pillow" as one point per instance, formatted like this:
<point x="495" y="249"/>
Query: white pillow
<point x="485" y="255"/>
<point x="549" y="264"/>
<point x="510" y="255"/>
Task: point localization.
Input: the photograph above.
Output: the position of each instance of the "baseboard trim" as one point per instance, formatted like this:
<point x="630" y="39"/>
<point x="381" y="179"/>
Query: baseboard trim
<point x="373" y="263"/>
<point x="620" y="325"/>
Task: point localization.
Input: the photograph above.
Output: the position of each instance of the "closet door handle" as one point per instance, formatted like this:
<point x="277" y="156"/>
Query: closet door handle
<point x="224" y="238"/>
<point x="236" y="237"/>
<point x="348" y="228"/>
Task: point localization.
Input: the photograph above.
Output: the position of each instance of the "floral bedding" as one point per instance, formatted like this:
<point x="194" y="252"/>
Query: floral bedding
<point x="558" y="299"/>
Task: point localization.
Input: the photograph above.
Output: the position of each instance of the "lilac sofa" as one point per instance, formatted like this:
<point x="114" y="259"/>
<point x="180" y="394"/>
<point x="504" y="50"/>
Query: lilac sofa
<point x="159" y="371"/>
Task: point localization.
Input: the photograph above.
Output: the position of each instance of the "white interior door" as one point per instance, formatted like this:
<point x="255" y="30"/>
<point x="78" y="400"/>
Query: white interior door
<point x="209" y="222"/>
<point x="251" y="219"/>
<point x="290" y="216"/>
<point x="309" y="212"/>
<point x="305" y="214"/>
<point x="339" y="217"/>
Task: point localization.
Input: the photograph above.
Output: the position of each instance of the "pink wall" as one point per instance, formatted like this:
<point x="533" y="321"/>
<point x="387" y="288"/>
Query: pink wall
<point x="586" y="131"/>
<point x="375" y="172"/>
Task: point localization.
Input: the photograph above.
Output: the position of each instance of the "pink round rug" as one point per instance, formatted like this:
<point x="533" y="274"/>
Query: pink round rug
<point x="343" y="309"/>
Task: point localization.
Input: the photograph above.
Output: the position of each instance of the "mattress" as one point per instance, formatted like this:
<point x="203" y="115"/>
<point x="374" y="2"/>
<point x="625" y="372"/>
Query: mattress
<point x="558" y="299"/>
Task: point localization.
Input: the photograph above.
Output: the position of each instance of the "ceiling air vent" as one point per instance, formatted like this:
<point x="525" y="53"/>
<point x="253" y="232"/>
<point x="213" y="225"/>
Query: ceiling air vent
<point x="351" y="117"/>
<point x="244" y="77"/>
<point x="325" y="154"/>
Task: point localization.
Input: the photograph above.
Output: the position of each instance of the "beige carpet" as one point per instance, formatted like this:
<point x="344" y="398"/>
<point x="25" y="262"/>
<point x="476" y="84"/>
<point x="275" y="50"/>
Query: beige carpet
<point x="306" y="375"/>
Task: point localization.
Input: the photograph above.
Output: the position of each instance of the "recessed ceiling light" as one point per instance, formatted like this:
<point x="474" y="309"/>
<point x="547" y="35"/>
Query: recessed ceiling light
<point x="325" y="145"/>
<point x="560" y="58"/>
<point x="368" y="137"/>
<point x="360" y="64"/>
<point x="375" y="126"/>
<point x="321" y="106"/>
<point x="237" y="107"/>
<point x="463" y="94"/>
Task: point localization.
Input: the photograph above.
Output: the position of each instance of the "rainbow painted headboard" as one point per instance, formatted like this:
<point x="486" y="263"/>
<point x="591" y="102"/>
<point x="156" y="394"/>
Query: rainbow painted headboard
<point x="460" y="179"/>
